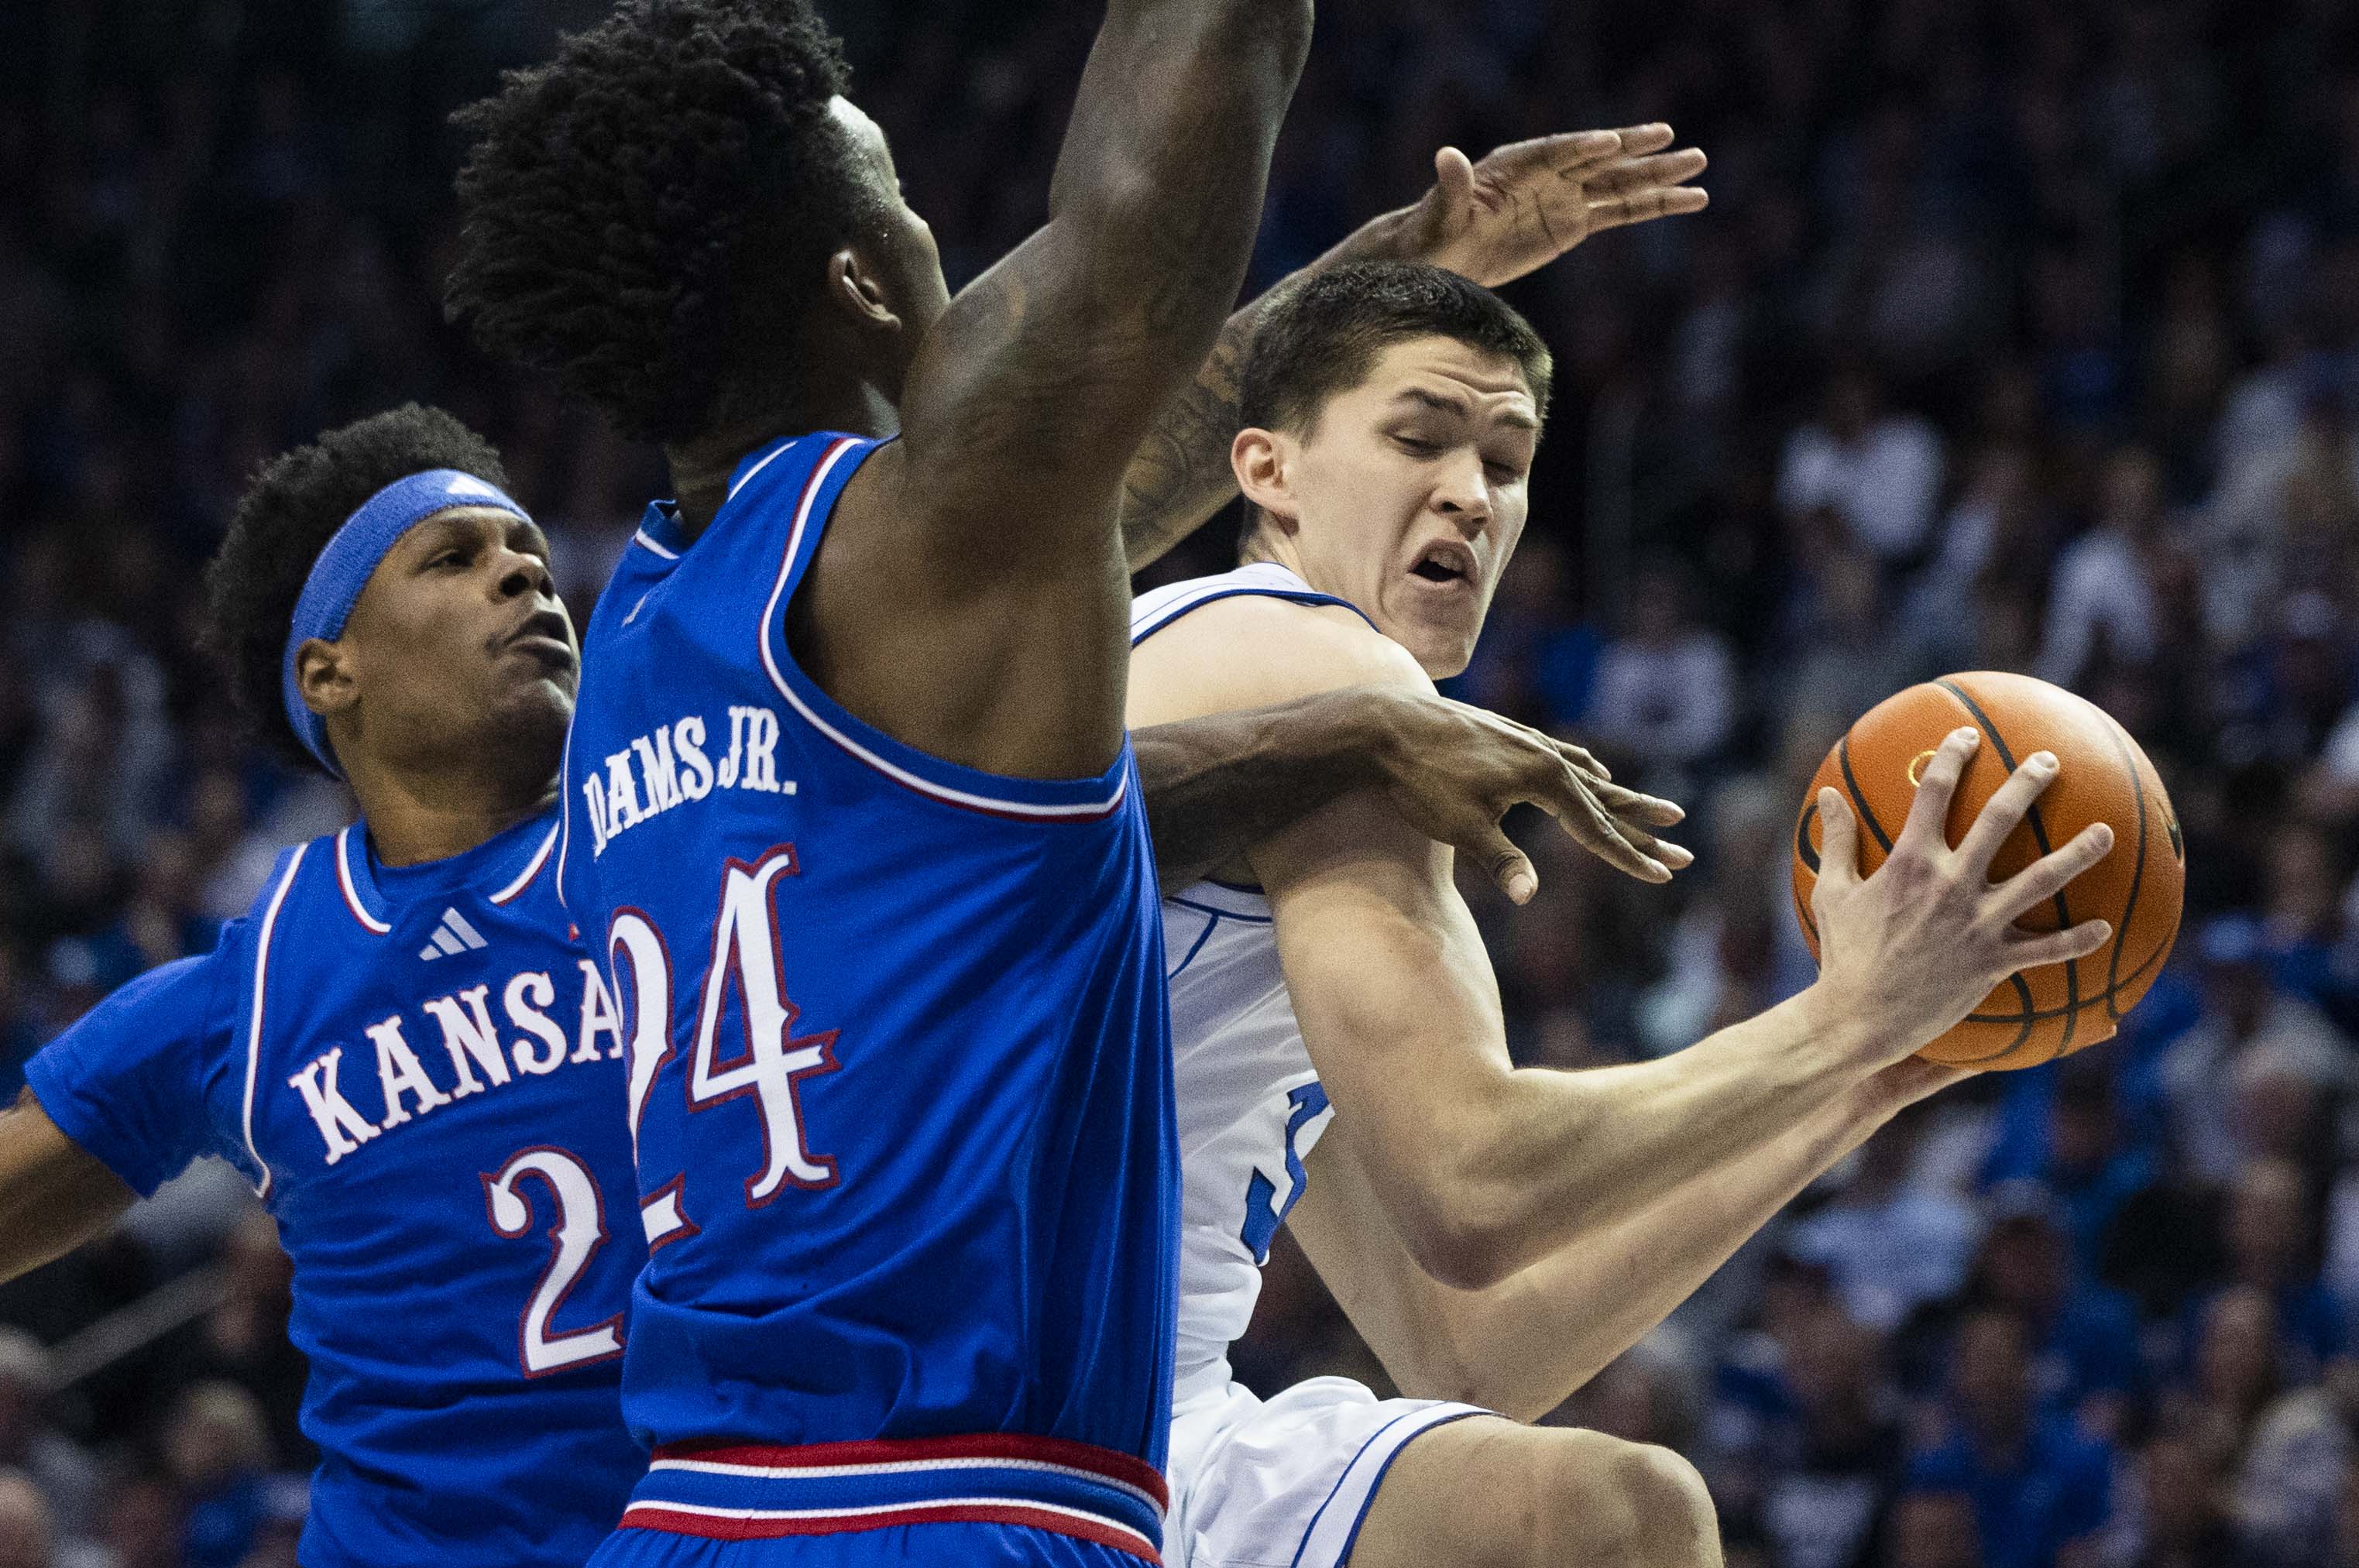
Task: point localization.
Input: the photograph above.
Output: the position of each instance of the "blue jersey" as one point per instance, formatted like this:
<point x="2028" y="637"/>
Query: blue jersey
<point x="899" y="1069"/>
<point x="424" y="1079"/>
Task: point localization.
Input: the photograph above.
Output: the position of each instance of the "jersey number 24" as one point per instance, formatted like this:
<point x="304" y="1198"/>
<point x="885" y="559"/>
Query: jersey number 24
<point x="770" y="1061"/>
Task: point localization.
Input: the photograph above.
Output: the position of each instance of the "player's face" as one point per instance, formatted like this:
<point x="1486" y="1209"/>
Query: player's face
<point x="1411" y="492"/>
<point x="459" y="648"/>
<point x="901" y="248"/>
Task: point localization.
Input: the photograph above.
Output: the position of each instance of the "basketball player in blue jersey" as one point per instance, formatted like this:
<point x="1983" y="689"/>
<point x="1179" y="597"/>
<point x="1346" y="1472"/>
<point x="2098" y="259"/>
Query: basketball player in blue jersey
<point x="1496" y="1235"/>
<point x="398" y="1046"/>
<point x="849" y="805"/>
<point x="405" y="1051"/>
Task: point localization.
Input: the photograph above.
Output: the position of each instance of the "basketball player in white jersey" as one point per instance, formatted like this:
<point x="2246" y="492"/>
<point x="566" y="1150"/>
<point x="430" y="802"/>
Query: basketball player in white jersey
<point x="1496" y="1235"/>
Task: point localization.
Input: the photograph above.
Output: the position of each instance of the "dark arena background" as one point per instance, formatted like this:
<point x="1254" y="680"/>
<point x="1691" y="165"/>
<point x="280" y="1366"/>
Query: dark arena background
<point x="2017" y="336"/>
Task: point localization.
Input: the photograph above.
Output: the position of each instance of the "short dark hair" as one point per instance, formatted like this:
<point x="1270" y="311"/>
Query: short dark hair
<point x="1320" y="335"/>
<point x="641" y="211"/>
<point x="294" y="505"/>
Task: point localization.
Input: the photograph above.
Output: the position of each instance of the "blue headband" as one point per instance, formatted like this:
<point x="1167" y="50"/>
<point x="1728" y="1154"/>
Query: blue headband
<point x="344" y="567"/>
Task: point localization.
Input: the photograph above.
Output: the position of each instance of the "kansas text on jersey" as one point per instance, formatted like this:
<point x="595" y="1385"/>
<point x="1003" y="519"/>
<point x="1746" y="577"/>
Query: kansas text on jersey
<point x="900" y="1074"/>
<point x="424" y="1079"/>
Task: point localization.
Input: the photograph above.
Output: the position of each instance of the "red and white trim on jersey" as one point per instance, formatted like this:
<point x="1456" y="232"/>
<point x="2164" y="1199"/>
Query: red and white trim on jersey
<point x="532" y="869"/>
<point x="261" y="990"/>
<point x="351" y="894"/>
<point x="564" y="811"/>
<point x="743" y="1491"/>
<point x="1090" y="810"/>
<point x="773" y="455"/>
<point x="642" y="539"/>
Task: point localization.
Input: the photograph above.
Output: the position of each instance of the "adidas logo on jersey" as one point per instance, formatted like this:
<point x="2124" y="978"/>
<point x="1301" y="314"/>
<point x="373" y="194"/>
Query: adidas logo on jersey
<point x="454" y="935"/>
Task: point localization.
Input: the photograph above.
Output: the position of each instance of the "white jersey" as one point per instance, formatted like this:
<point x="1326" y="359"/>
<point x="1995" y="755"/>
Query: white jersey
<point x="1250" y="1106"/>
<point x="1253" y="1483"/>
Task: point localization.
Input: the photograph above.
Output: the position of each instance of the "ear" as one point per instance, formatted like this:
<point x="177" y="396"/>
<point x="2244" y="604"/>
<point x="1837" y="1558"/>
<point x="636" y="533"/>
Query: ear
<point x="1263" y="462"/>
<point x="855" y="288"/>
<point x="324" y="677"/>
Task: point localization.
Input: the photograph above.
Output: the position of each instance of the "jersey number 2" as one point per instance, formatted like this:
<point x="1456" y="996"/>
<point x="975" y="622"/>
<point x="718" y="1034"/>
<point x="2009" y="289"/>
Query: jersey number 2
<point x="579" y="1231"/>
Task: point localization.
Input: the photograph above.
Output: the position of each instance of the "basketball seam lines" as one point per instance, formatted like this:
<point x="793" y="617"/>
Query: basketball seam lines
<point x="2023" y="994"/>
<point x="2137" y="868"/>
<point x="1851" y="782"/>
<point x="1809" y="857"/>
<point x="2040" y="838"/>
<point x="2107" y="994"/>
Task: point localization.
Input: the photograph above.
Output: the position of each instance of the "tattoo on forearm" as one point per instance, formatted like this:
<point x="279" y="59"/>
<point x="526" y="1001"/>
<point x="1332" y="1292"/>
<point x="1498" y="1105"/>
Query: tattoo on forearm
<point x="1180" y="475"/>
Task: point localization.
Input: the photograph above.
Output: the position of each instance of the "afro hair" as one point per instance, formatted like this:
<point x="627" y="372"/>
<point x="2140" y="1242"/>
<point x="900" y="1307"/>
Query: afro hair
<point x="635" y="213"/>
<point x="294" y="506"/>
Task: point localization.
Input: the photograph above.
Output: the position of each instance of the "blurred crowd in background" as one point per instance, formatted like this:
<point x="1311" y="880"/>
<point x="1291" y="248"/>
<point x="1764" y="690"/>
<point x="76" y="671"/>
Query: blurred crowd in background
<point x="2020" y="334"/>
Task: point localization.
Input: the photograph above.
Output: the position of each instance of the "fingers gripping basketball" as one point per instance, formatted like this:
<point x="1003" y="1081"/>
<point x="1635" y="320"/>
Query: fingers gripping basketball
<point x="2137" y="887"/>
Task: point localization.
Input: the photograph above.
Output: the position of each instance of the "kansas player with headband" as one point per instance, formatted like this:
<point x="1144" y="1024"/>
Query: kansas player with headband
<point x="1496" y="1235"/>
<point x="405" y="1051"/>
<point x="398" y="1045"/>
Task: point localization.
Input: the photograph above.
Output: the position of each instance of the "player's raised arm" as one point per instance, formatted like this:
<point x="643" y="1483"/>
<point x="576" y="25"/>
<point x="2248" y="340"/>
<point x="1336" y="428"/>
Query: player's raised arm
<point x="53" y="1194"/>
<point x="1026" y="399"/>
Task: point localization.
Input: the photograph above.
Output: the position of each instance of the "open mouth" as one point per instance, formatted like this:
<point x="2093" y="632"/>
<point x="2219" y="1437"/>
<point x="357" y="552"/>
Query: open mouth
<point x="544" y="635"/>
<point x="1445" y="563"/>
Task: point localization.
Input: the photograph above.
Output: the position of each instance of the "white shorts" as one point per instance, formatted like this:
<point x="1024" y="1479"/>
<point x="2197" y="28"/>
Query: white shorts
<point x="1284" y="1484"/>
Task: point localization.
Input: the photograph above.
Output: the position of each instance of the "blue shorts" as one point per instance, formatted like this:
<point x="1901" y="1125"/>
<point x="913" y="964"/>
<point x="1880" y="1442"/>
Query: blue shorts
<point x="982" y="1499"/>
<point x="894" y="1546"/>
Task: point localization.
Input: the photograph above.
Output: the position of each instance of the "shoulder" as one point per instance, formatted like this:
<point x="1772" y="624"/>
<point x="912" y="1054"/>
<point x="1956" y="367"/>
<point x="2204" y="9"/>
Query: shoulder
<point x="183" y="986"/>
<point x="777" y="495"/>
<point x="155" y="1018"/>
<point x="1250" y="650"/>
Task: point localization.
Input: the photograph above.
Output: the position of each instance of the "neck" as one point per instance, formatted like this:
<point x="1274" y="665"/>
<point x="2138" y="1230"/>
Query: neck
<point x="414" y="818"/>
<point x="1267" y="544"/>
<point x="701" y="466"/>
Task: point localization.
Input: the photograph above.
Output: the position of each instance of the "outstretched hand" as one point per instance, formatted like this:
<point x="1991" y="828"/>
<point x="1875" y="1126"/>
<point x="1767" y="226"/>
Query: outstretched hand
<point x="1528" y="202"/>
<point x="1907" y="953"/>
<point x="1452" y="771"/>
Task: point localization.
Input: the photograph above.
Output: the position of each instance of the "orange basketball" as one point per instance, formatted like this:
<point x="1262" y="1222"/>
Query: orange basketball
<point x="2139" y="886"/>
